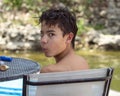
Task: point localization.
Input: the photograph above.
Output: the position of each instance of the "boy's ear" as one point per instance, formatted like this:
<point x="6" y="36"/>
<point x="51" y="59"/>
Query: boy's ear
<point x="69" y="37"/>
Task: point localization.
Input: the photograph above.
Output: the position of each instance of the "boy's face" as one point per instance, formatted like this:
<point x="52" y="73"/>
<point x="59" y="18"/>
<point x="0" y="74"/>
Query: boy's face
<point x="52" y="40"/>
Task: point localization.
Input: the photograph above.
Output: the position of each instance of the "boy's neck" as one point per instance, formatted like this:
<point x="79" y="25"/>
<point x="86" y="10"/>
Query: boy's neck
<point x="64" y="54"/>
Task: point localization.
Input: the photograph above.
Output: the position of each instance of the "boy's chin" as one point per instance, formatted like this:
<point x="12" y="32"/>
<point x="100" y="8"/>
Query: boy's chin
<point x="48" y="55"/>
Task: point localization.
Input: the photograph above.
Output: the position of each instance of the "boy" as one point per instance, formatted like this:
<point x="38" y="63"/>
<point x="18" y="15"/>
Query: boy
<point x="58" y="31"/>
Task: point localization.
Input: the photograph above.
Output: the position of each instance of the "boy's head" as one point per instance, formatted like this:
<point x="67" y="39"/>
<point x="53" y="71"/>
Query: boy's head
<point x="62" y="17"/>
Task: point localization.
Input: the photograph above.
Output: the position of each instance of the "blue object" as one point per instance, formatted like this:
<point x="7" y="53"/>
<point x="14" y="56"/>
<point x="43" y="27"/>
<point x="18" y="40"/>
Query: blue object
<point x="6" y="58"/>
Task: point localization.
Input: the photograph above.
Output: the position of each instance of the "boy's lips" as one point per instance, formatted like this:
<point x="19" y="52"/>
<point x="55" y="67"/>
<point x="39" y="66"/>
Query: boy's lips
<point x="44" y="49"/>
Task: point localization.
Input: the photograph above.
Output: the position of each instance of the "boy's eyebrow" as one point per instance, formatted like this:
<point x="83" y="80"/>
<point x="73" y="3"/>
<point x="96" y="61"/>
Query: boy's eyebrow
<point x="48" y="31"/>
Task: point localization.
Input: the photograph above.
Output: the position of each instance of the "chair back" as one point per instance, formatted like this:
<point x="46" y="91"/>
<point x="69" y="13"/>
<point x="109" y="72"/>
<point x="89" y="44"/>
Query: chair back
<point x="91" y="82"/>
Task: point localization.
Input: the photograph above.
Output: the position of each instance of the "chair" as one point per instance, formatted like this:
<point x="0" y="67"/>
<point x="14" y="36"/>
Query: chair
<point x="11" y="88"/>
<point x="91" y="82"/>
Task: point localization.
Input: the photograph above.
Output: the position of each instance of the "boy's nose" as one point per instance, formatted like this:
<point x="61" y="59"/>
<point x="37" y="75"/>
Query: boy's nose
<point x="44" y="39"/>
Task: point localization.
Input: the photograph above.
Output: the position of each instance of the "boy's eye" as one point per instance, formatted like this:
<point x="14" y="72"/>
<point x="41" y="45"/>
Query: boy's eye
<point x="51" y="34"/>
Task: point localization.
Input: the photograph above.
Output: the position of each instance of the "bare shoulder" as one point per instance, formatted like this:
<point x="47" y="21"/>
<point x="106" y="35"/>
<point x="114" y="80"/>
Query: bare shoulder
<point x="68" y="64"/>
<point x="77" y="63"/>
<point x="52" y="68"/>
<point x="82" y="62"/>
<point x="46" y="69"/>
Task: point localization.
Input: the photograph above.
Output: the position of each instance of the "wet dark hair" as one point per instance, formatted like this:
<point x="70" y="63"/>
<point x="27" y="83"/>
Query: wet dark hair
<point x="63" y="17"/>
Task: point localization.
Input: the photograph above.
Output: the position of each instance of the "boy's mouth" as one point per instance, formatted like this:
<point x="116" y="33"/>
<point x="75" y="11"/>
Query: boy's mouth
<point x="45" y="49"/>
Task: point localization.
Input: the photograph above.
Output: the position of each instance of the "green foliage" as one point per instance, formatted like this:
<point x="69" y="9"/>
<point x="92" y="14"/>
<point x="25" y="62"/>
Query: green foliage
<point x="89" y="1"/>
<point x="21" y="4"/>
<point x="33" y="4"/>
<point x="81" y="27"/>
<point x="14" y="4"/>
<point x="99" y="27"/>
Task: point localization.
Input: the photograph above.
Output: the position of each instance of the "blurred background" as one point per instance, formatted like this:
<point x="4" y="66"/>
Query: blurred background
<point x="98" y="37"/>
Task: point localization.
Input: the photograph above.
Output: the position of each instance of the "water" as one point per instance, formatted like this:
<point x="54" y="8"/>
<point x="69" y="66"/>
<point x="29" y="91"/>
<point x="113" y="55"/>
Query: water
<point x="96" y="59"/>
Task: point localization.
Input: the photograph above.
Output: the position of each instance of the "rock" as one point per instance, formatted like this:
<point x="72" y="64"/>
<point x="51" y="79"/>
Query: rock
<point x="18" y="37"/>
<point x="109" y="42"/>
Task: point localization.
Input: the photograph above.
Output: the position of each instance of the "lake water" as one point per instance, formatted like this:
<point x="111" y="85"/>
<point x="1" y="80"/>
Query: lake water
<point x="96" y="59"/>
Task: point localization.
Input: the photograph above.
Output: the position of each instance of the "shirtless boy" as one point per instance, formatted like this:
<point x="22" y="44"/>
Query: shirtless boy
<point x="58" y="31"/>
